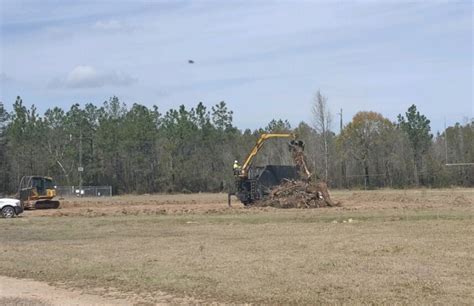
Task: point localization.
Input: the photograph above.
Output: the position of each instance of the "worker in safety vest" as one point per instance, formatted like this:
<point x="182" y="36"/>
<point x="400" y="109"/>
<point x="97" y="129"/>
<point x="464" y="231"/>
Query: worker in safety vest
<point x="237" y="168"/>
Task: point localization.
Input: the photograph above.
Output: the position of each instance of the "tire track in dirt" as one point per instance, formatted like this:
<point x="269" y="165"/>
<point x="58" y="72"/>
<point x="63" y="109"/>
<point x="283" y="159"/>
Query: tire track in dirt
<point x="14" y="291"/>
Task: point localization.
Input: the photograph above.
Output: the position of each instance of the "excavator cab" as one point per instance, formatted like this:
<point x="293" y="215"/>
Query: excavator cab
<point x="37" y="192"/>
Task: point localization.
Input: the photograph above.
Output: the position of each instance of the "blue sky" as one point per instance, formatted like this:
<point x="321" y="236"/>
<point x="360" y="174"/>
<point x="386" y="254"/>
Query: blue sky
<point x="266" y="59"/>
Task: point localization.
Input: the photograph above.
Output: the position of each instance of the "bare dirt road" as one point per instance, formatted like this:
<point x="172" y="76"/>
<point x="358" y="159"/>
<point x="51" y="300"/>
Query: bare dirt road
<point x="27" y="292"/>
<point x="15" y="291"/>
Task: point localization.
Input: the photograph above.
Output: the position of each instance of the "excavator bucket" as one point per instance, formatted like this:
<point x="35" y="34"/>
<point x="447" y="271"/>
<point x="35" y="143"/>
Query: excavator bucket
<point x="296" y="146"/>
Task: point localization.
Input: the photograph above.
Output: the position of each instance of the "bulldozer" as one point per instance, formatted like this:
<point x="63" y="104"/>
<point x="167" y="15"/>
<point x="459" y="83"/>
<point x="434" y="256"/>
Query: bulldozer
<point x="37" y="192"/>
<point x="254" y="183"/>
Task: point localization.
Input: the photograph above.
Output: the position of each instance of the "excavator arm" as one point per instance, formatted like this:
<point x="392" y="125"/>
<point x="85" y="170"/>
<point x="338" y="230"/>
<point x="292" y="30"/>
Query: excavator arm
<point x="257" y="147"/>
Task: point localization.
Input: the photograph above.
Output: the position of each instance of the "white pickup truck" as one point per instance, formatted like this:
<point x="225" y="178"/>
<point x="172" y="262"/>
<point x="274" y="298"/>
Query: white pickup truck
<point x="10" y="207"/>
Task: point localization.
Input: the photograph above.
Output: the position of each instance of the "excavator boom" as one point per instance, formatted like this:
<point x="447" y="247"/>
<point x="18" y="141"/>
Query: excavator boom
<point x="261" y="140"/>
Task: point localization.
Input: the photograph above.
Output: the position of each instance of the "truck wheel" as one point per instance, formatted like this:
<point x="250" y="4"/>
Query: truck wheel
<point x="8" y="212"/>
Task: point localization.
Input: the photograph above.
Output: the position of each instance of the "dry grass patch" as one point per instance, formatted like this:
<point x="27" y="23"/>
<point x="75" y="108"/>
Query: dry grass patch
<point x="21" y="302"/>
<point x="272" y="256"/>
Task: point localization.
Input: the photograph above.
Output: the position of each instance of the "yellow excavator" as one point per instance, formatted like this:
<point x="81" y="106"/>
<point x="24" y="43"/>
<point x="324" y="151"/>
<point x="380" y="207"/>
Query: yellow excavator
<point x="254" y="183"/>
<point x="37" y="192"/>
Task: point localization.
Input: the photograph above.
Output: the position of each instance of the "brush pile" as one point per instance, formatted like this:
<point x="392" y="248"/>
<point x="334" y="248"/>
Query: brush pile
<point x="303" y="193"/>
<point x="298" y="194"/>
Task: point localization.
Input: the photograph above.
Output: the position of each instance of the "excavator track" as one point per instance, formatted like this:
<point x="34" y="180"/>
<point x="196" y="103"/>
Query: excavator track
<point x="47" y="204"/>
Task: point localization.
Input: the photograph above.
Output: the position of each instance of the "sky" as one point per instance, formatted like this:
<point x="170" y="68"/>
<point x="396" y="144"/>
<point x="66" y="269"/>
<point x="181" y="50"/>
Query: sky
<point x="265" y="59"/>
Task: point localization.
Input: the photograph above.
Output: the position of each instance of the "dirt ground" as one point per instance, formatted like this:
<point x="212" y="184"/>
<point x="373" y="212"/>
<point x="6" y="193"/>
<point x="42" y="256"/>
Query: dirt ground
<point x="383" y="246"/>
<point x="29" y="292"/>
<point x="26" y="292"/>
<point x="456" y="198"/>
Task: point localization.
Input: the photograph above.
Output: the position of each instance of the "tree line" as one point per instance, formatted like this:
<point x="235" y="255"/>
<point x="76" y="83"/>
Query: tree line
<point x="137" y="149"/>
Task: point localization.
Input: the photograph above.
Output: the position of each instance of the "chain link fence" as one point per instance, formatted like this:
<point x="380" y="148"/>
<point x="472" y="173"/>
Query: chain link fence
<point x="86" y="191"/>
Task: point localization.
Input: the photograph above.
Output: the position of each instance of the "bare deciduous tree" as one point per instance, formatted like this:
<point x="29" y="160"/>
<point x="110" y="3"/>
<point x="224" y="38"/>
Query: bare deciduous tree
<point x="322" y="124"/>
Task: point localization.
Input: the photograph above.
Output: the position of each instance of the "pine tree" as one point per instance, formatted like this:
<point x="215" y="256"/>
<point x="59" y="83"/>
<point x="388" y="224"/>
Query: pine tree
<point x="417" y="127"/>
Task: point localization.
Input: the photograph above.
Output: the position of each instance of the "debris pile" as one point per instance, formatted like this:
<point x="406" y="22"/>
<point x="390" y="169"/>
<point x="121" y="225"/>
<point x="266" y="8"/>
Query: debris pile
<point x="298" y="194"/>
<point x="303" y="193"/>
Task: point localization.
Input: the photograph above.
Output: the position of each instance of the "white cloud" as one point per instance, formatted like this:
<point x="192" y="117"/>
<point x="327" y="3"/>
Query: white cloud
<point x="110" y="26"/>
<point x="84" y="76"/>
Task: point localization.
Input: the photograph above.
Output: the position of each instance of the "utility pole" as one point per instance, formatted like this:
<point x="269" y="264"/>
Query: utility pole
<point x="80" y="168"/>
<point x="445" y="141"/>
